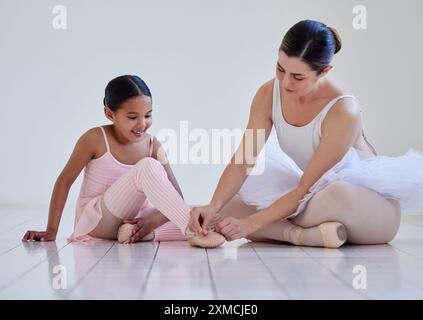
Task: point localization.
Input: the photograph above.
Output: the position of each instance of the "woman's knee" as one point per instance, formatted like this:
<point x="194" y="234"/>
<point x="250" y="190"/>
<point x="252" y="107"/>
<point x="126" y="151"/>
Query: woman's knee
<point x="369" y="217"/>
<point x="330" y="204"/>
<point x="392" y="220"/>
<point x="339" y="192"/>
<point x="347" y="203"/>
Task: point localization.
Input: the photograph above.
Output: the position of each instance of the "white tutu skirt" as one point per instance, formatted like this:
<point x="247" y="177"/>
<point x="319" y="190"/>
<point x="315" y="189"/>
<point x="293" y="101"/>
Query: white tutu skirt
<point x="275" y="174"/>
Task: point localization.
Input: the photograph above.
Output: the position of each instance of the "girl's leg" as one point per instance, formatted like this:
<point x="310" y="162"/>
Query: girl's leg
<point x="283" y="230"/>
<point x="368" y="217"/>
<point x="147" y="179"/>
<point x="108" y="226"/>
<point x="168" y="232"/>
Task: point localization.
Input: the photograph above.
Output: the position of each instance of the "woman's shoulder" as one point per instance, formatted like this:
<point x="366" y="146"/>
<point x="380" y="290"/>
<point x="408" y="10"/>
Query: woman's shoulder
<point x="264" y="96"/>
<point x="345" y="100"/>
<point x="266" y="89"/>
<point x="345" y="108"/>
<point x="334" y="90"/>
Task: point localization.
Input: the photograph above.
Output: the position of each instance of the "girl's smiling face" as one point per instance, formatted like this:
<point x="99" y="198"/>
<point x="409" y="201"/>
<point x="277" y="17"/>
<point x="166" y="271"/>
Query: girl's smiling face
<point x="132" y="119"/>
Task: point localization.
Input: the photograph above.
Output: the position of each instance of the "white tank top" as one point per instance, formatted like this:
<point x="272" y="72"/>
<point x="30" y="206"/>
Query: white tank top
<point x="299" y="143"/>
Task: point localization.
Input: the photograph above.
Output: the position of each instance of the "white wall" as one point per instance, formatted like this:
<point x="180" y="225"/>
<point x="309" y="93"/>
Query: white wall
<point x="203" y="61"/>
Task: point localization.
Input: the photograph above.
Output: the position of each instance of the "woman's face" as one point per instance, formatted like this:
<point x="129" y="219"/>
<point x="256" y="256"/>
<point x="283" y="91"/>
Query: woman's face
<point x="295" y="76"/>
<point x="133" y="118"/>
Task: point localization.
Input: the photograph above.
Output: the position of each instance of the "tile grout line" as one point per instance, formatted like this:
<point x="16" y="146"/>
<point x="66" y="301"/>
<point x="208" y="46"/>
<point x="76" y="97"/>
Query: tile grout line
<point x="344" y="282"/>
<point x="20" y="244"/>
<point x="280" y="284"/>
<point x="381" y="266"/>
<point x="28" y="220"/>
<point x="23" y="222"/>
<point x="10" y="249"/>
<point x="66" y="295"/>
<point x="8" y="283"/>
<point x="405" y="252"/>
<point x="147" y="276"/>
<point x="213" y="283"/>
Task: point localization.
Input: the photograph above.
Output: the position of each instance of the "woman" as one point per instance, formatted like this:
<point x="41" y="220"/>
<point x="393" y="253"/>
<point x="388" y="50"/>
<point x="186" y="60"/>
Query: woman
<point x="319" y="126"/>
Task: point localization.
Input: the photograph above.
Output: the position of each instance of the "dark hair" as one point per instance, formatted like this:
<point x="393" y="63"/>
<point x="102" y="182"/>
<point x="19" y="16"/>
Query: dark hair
<point x="313" y="42"/>
<point x="123" y="88"/>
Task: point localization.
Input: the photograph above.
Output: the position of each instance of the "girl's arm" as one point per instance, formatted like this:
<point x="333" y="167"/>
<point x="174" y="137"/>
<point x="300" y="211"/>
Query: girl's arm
<point x="340" y="130"/>
<point x="83" y="152"/>
<point x="259" y="126"/>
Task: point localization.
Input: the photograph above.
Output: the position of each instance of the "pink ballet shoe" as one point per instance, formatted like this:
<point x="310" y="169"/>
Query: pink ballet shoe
<point x="211" y="240"/>
<point x="124" y="232"/>
<point x="334" y="234"/>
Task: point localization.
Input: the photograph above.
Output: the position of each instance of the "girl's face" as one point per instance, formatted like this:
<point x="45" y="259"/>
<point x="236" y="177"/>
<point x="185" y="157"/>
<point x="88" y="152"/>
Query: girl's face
<point x="132" y="119"/>
<point x="295" y="75"/>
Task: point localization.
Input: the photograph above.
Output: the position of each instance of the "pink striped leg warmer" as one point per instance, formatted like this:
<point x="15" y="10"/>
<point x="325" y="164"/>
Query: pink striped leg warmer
<point x="148" y="179"/>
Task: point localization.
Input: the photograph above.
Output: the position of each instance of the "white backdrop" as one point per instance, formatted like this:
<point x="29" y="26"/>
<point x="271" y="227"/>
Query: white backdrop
<point x="203" y="61"/>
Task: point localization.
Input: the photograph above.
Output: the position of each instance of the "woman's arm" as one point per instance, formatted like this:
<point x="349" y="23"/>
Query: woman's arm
<point x="340" y="129"/>
<point x="81" y="155"/>
<point x="235" y="173"/>
<point x="242" y="161"/>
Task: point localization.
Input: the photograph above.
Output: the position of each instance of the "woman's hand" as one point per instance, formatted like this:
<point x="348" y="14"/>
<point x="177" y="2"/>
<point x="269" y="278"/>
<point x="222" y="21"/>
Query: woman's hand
<point x="145" y="225"/>
<point x="201" y="218"/>
<point x="48" y="235"/>
<point x="232" y="228"/>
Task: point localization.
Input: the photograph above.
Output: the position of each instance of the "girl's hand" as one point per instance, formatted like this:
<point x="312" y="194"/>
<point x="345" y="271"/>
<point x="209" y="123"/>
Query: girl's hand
<point x="39" y="235"/>
<point x="201" y="218"/>
<point x="145" y="225"/>
<point x="233" y="228"/>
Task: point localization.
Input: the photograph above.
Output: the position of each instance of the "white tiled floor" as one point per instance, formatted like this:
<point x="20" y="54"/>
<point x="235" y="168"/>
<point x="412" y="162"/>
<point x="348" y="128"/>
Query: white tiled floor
<point x="173" y="270"/>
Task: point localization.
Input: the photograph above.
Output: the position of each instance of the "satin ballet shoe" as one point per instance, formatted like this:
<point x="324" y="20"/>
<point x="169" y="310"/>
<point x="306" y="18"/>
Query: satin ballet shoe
<point x="125" y="232"/>
<point x="211" y="240"/>
<point x="334" y="234"/>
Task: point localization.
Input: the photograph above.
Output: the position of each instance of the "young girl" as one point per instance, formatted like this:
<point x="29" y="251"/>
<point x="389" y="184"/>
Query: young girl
<point x="129" y="191"/>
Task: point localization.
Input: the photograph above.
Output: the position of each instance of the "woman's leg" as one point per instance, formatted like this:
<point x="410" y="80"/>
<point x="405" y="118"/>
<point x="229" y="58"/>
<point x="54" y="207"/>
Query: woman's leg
<point x="368" y="217"/>
<point x="283" y="230"/>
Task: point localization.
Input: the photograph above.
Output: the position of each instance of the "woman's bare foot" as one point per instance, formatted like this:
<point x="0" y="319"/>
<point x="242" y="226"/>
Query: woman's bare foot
<point x="211" y="240"/>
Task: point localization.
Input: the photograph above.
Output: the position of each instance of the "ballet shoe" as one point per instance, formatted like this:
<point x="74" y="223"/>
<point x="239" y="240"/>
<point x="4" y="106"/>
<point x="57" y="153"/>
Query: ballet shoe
<point x="124" y="232"/>
<point x="333" y="234"/>
<point x="211" y="240"/>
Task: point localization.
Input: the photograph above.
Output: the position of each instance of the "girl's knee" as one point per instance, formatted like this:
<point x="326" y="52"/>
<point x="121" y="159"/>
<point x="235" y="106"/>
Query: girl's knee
<point x="149" y="168"/>
<point x="148" y="164"/>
